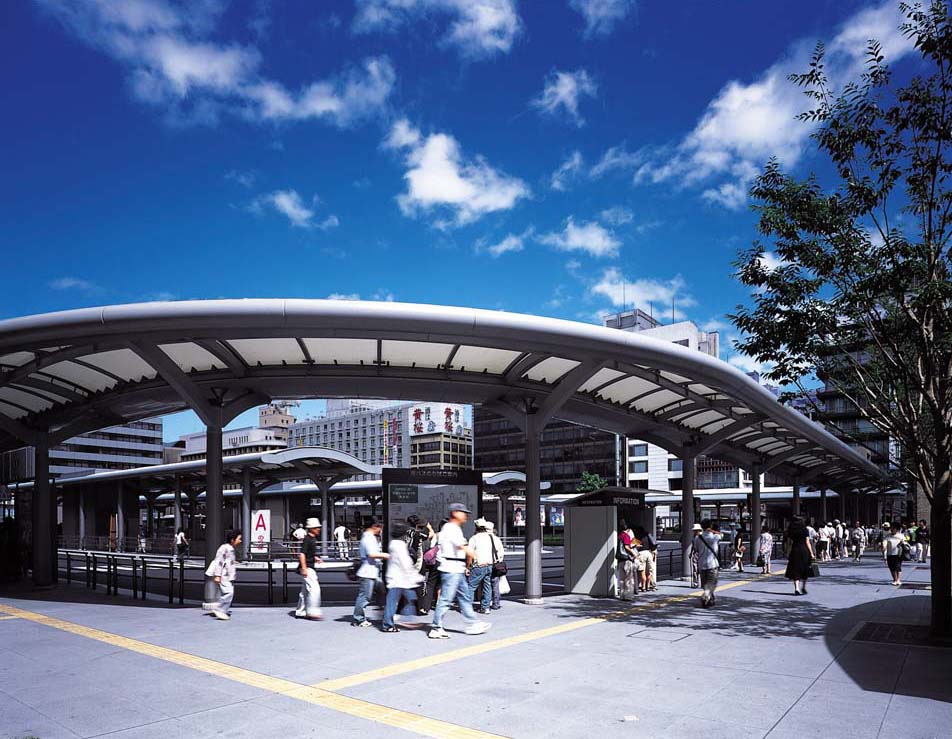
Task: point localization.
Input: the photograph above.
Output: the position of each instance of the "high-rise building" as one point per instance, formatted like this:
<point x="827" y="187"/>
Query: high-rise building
<point x="123" y="447"/>
<point x="271" y="434"/>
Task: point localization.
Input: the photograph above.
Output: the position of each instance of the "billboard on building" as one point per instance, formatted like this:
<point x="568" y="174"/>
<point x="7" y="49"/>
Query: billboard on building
<point x="431" y="418"/>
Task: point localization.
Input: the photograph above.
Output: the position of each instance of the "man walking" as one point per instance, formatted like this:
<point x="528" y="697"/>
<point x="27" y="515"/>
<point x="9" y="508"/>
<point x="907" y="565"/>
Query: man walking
<point x="453" y="556"/>
<point x="706" y="545"/>
<point x="481" y="568"/>
<point x="340" y="537"/>
<point x="368" y="574"/>
<point x="309" y="601"/>
<point x="860" y="542"/>
<point x="923" y="539"/>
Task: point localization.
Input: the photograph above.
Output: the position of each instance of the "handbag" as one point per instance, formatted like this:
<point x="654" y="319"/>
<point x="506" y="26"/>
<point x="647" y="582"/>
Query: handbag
<point x="504" y="587"/>
<point x="500" y="568"/>
<point x="814" y="569"/>
<point x="621" y="553"/>
<point x="760" y="560"/>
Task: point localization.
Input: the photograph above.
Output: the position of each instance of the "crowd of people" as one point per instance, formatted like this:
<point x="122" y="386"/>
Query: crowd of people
<point x="427" y="570"/>
<point x="637" y="558"/>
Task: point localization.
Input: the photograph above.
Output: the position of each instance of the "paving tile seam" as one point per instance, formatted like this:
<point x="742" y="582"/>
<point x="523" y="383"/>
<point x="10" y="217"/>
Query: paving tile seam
<point x="387" y="715"/>
<point x="37" y="710"/>
<point x="400" y="668"/>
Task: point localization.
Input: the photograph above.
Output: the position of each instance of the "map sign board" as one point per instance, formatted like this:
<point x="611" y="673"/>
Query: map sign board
<point x="428" y="493"/>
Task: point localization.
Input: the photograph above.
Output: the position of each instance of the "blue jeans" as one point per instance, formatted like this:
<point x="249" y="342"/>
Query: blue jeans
<point x="366" y="592"/>
<point x="393" y="600"/>
<point x="454" y="585"/>
<point x="484" y="575"/>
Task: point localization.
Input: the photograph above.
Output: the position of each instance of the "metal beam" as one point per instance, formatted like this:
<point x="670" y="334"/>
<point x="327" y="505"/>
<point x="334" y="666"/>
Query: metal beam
<point x="779" y="459"/>
<point x="179" y="381"/>
<point x="708" y="443"/>
<point x="223" y="352"/>
<point x="566" y="388"/>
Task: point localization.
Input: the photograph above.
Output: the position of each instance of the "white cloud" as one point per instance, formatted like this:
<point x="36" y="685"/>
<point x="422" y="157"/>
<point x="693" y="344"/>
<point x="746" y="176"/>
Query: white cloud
<point x="616" y="216"/>
<point x="770" y="261"/>
<point x="590" y="237"/>
<point x="562" y="91"/>
<point x="343" y="296"/>
<point x="172" y="63"/>
<point x="714" y="324"/>
<point x="568" y="170"/>
<point x="383" y="295"/>
<point x="73" y="283"/>
<point x="512" y="243"/>
<point x="601" y="16"/>
<point x="650" y="295"/>
<point x="478" y="29"/>
<point x="245" y="179"/>
<point x="748" y="122"/>
<point x="439" y="177"/>
<point x="290" y="205"/>
<point x="617" y="158"/>
<point x="749" y="364"/>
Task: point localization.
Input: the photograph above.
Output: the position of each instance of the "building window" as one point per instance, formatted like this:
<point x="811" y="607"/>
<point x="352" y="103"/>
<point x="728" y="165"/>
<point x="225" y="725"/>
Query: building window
<point x="638" y="450"/>
<point x="635" y="468"/>
<point x="675" y="465"/>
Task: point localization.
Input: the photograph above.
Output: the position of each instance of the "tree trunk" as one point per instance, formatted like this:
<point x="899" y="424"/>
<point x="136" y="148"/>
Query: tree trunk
<point x="941" y="532"/>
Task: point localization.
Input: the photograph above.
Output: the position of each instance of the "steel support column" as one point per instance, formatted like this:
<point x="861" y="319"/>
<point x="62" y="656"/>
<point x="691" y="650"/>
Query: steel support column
<point x="177" y="490"/>
<point x="796" y="496"/>
<point x="120" y="519"/>
<point x="842" y="495"/>
<point x="81" y="518"/>
<point x="503" y="519"/>
<point x="533" y="595"/>
<point x="823" y="511"/>
<point x="214" y="529"/>
<point x="755" y="519"/>
<point x="246" y="493"/>
<point x="688" y="480"/>
<point x="43" y="509"/>
<point x="325" y="488"/>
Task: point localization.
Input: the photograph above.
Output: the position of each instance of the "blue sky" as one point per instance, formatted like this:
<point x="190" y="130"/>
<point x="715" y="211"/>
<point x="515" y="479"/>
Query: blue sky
<point x="555" y="157"/>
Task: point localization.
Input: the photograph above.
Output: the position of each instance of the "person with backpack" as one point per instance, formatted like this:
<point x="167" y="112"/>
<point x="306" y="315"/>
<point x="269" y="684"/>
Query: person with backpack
<point x="430" y="570"/>
<point x="706" y="543"/>
<point x="500" y="568"/>
<point x="402" y="577"/>
<point x="625" y="557"/>
<point x="481" y="568"/>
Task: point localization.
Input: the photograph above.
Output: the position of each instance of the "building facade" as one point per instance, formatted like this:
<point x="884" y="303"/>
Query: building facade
<point x="271" y="434"/>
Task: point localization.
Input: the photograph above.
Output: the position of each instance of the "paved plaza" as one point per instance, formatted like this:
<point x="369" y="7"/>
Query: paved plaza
<point x="762" y="663"/>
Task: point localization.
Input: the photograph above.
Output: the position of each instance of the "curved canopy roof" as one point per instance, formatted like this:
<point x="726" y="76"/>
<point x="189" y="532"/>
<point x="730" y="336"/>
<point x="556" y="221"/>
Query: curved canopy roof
<point x="74" y="371"/>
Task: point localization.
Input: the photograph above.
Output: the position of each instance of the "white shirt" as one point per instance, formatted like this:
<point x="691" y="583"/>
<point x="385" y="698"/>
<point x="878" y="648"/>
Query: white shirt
<point x="369" y="566"/>
<point x="401" y="572"/>
<point x="483" y="544"/>
<point x="180" y="538"/>
<point x="299" y="533"/>
<point x="340" y="534"/>
<point x="811" y="532"/>
<point x="839" y="531"/>
<point x="892" y="545"/>
<point x="824" y="533"/>
<point x="450" y="554"/>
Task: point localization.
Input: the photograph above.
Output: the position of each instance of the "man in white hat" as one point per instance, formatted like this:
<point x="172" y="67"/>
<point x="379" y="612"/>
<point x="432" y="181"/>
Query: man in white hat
<point x="309" y="601"/>
<point x="481" y="567"/>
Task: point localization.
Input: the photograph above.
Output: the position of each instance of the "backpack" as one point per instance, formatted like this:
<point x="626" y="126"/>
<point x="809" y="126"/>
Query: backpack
<point x="429" y="556"/>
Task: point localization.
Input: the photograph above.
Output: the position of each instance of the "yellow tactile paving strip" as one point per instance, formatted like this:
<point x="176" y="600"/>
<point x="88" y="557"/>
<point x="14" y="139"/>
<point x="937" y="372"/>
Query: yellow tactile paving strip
<point x="324" y="693"/>
<point x="401" y="668"/>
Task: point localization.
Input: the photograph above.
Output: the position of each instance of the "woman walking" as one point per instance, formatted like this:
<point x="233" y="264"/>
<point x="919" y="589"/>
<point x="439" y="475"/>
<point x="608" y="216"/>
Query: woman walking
<point x="626" y="556"/>
<point x="223" y="569"/>
<point x="801" y="556"/>
<point x="739" y="550"/>
<point x="764" y="550"/>
<point x="403" y="578"/>
<point x="892" y="550"/>
<point x="181" y="545"/>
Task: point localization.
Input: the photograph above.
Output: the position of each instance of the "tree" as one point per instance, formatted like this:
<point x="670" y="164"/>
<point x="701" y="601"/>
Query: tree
<point x="590" y="481"/>
<point x="858" y="293"/>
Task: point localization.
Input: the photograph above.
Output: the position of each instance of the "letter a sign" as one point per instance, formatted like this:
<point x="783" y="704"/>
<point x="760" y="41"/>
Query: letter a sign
<point x="260" y="531"/>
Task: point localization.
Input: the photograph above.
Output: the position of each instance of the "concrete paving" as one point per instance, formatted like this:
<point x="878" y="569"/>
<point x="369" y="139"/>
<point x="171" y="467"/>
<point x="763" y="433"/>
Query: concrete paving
<point x="762" y="663"/>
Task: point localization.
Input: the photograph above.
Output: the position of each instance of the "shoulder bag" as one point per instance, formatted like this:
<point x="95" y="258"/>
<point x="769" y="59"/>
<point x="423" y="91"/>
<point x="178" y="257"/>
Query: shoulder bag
<point x="500" y="568"/>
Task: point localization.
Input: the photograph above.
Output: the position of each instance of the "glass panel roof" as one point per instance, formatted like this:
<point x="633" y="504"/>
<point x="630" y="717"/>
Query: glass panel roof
<point x="479" y="359"/>
<point x="551" y="369"/>
<point x="189" y="356"/>
<point x="123" y="363"/>
<point x="418" y="353"/>
<point x="268" y="351"/>
<point x="342" y="351"/>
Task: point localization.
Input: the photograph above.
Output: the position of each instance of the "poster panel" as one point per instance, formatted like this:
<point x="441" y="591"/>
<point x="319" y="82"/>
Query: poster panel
<point x="260" y="531"/>
<point x="428" y="495"/>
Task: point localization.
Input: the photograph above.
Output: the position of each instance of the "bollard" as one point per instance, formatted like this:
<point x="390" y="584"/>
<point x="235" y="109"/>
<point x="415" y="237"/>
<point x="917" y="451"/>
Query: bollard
<point x="285" y="581"/>
<point x="270" y="583"/>
<point x="69" y="570"/>
<point x="145" y="577"/>
<point x="135" y="580"/>
<point x="181" y="582"/>
<point x="671" y="563"/>
<point x="171" y="580"/>
<point x="87" y="569"/>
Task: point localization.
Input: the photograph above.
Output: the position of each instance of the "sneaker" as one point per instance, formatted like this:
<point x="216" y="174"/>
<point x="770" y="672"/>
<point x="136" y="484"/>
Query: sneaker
<point x="390" y="630"/>
<point x="362" y="624"/>
<point x="478" y="627"/>
<point x="221" y="615"/>
<point x="438" y="634"/>
<point x="496" y="608"/>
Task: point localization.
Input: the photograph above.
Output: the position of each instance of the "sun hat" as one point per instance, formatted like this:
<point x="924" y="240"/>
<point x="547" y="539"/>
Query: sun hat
<point x="481" y="523"/>
<point x="312" y="523"/>
<point x="696" y="527"/>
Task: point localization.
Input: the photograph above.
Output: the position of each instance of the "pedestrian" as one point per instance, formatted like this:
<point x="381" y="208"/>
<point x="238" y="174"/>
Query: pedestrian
<point x="765" y="551"/>
<point x="309" y="601"/>
<point x="500" y="568"/>
<point x="800" y="556"/>
<point x="693" y="553"/>
<point x="368" y="574"/>
<point x="860" y="541"/>
<point x="893" y="548"/>
<point x="181" y="545"/>
<point x="925" y="539"/>
<point x="453" y="555"/>
<point x="340" y="538"/>
<point x="625" y="558"/>
<point x="223" y="570"/>
<point x="143" y="539"/>
<point x="840" y="534"/>
<point x="403" y="578"/>
<point x="481" y="568"/>
<point x="739" y="550"/>
<point x="430" y="569"/>
<point x="706" y="545"/>
<point x="823" y="553"/>
<point x="650" y="548"/>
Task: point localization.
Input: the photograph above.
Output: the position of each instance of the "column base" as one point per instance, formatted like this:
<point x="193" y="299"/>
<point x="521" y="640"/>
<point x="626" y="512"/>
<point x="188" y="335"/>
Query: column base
<point x="533" y="601"/>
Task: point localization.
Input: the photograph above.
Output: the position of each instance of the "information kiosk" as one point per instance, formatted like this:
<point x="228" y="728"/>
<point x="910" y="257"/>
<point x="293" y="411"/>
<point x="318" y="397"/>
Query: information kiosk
<point x="591" y="536"/>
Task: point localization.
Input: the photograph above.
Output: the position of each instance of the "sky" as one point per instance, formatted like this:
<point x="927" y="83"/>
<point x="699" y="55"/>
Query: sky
<point x="567" y="158"/>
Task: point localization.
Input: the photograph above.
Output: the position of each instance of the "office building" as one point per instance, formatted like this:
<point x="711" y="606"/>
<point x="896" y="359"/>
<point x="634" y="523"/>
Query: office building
<point x="271" y="434"/>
